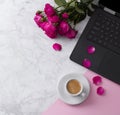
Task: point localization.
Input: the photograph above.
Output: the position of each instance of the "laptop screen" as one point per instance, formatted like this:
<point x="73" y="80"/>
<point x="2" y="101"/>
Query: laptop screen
<point x="111" y="4"/>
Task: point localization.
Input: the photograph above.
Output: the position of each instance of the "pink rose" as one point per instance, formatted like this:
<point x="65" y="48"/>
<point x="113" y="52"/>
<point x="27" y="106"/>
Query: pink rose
<point x="71" y="33"/>
<point x="49" y="10"/>
<point x="38" y="19"/>
<point x="63" y="28"/>
<point x="42" y="24"/>
<point x="54" y="19"/>
<point x="50" y="30"/>
<point x="65" y="15"/>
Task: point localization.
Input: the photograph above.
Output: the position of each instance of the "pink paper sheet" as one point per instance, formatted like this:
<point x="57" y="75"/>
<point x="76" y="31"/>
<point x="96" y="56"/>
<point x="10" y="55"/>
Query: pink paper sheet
<point x="107" y="104"/>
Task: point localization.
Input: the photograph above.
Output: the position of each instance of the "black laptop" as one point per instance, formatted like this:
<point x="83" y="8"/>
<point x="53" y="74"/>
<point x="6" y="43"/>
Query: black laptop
<point x="102" y="35"/>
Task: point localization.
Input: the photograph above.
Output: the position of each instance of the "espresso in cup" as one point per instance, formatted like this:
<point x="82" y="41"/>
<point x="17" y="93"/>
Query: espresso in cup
<point x="74" y="87"/>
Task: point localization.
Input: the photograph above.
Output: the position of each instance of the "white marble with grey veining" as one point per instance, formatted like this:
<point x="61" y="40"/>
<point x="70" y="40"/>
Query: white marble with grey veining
<point x="29" y="67"/>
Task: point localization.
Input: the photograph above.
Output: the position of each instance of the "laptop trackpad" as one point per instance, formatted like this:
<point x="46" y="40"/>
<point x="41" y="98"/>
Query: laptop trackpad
<point x="110" y="67"/>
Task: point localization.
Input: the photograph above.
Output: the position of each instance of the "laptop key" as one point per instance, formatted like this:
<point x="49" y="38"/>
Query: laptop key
<point x="106" y="32"/>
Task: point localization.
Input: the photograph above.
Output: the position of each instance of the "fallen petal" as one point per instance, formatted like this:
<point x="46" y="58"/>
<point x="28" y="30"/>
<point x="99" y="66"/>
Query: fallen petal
<point x="91" y="49"/>
<point x="97" y="80"/>
<point x="100" y="90"/>
<point x="57" y="47"/>
<point x="86" y="63"/>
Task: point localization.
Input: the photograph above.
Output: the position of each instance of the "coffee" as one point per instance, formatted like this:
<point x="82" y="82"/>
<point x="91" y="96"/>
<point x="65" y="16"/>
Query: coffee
<point x="73" y="86"/>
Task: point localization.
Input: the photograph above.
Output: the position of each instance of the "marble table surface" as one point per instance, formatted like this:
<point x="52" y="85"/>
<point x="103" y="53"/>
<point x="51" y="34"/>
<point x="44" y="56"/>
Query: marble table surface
<point x="29" y="67"/>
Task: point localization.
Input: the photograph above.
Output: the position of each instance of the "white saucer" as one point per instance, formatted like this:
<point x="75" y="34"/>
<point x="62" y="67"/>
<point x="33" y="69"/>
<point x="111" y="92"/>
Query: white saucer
<point x="73" y="100"/>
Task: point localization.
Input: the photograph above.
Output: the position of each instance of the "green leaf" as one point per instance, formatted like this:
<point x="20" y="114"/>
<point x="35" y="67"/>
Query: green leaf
<point x="79" y="18"/>
<point x="79" y="10"/>
<point x="72" y="15"/>
<point x="60" y="2"/>
<point x="69" y="9"/>
<point x="81" y="6"/>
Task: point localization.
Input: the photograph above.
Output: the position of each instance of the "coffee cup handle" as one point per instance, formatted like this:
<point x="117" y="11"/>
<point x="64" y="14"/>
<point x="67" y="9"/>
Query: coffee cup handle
<point x="83" y="94"/>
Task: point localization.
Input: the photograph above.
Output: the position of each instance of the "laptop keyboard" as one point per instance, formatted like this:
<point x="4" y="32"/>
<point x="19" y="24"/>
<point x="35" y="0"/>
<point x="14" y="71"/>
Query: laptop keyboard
<point x="106" y="32"/>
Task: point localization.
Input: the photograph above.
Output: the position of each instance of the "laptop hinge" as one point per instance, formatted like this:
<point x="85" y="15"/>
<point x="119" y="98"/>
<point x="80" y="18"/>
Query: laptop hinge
<point x="109" y="10"/>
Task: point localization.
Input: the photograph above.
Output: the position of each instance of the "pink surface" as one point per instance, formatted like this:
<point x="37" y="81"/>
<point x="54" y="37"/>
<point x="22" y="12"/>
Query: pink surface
<point x="107" y="104"/>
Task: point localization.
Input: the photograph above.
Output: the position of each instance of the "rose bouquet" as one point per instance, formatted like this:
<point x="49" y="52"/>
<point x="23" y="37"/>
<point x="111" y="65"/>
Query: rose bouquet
<point x="62" y="18"/>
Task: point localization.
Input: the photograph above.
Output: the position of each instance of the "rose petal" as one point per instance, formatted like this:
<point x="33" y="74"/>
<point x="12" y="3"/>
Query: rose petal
<point x="86" y="63"/>
<point x="71" y="33"/>
<point x="100" y="90"/>
<point x="91" y="49"/>
<point x="63" y="28"/>
<point x="57" y="47"/>
<point x="50" y="30"/>
<point x="54" y="19"/>
<point x="97" y="80"/>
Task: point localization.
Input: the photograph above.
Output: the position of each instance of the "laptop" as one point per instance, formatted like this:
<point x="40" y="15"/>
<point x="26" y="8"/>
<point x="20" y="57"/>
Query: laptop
<point x="98" y="47"/>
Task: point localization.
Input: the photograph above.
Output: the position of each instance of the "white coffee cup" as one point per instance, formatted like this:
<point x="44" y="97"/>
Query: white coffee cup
<point x="73" y="87"/>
